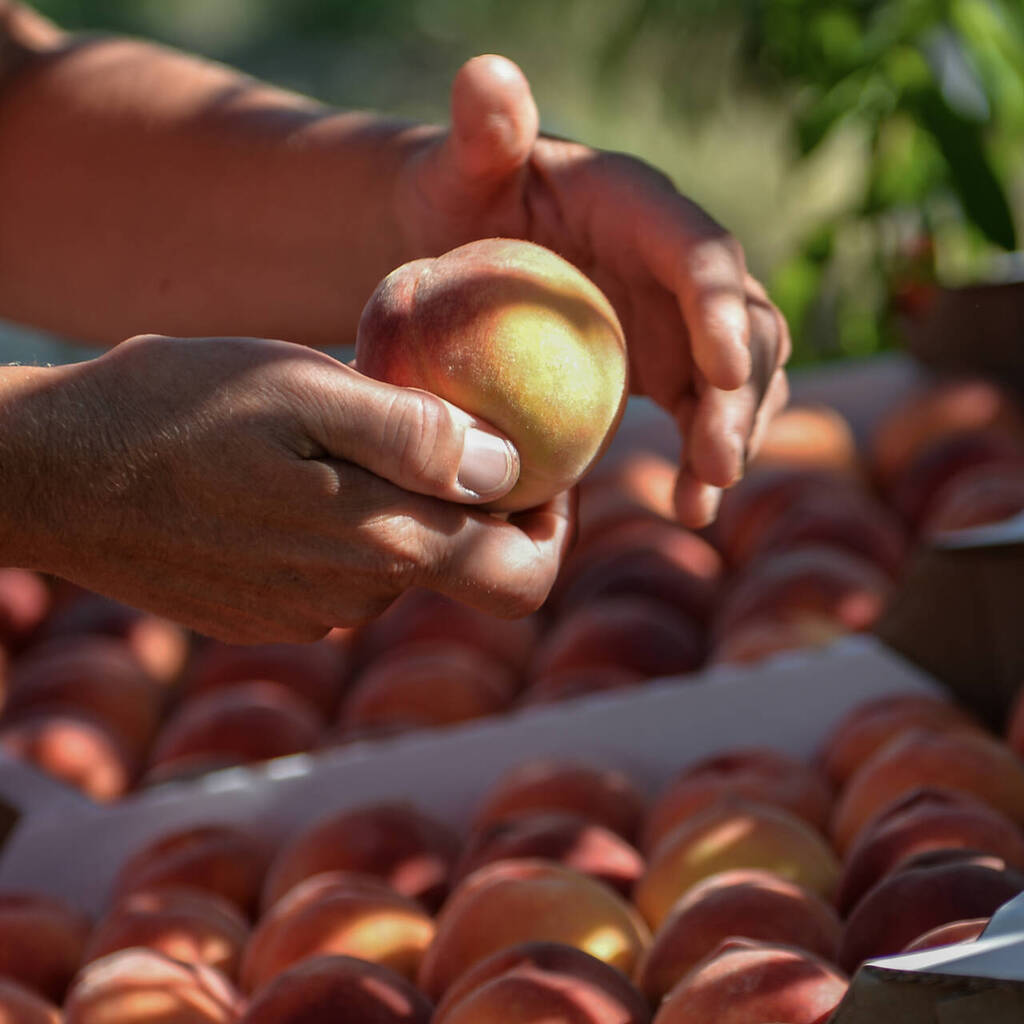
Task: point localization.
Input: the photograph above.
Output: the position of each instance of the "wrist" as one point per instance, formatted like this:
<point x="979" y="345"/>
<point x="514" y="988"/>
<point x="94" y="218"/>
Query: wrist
<point x="31" y="448"/>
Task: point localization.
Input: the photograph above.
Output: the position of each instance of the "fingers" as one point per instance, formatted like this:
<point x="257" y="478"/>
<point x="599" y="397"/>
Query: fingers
<point x="722" y="429"/>
<point x="494" y="120"/>
<point x="700" y="263"/>
<point x="412" y="438"/>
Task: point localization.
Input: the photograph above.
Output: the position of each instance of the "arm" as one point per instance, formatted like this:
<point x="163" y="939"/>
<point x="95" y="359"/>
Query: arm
<point x="153" y="191"/>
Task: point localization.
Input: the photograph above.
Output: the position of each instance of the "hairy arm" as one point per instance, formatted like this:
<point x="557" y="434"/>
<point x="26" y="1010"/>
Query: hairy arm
<point x="148" y="190"/>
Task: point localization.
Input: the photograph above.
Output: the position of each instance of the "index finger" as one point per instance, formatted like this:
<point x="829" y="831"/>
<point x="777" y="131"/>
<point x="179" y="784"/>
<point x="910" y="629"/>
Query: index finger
<point x="700" y="263"/>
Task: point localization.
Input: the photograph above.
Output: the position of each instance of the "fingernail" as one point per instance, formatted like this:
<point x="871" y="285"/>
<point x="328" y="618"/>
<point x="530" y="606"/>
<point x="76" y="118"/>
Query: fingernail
<point x="710" y="499"/>
<point x="489" y="464"/>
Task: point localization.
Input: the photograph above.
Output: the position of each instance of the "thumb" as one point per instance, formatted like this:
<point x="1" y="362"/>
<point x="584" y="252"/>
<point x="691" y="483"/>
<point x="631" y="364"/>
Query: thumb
<point x="494" y="120"/>
<point x="413" y="439"/>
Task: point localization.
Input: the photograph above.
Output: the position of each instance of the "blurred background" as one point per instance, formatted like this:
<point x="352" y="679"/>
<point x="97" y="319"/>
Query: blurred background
<point x="862" y="150"/>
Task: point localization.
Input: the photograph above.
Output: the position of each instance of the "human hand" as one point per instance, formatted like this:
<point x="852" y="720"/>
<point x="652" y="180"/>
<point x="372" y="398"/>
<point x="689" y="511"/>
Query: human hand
<point x="257" y="490"/>
<point x="704" y="340"/>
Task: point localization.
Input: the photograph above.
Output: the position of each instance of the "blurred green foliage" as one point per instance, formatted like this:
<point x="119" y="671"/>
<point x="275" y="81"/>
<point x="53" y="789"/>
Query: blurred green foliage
<point x="859" y="148"/>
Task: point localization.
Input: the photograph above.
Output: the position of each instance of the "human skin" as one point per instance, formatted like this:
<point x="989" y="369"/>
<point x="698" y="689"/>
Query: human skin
<point x="127" y="171"/>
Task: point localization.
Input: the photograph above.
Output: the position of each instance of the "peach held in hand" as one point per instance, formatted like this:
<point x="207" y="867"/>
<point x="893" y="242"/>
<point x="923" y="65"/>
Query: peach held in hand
<point x="515" y="335"/>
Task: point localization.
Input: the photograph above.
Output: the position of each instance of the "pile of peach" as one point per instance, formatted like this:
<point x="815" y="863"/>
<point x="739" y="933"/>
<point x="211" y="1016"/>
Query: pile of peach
<point x="808" y="546"/>
<point x="748" y="890"/>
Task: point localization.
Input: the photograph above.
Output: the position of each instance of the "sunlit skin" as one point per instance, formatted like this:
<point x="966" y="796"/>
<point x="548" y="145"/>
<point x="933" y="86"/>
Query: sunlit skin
<point x="258" y="490"/>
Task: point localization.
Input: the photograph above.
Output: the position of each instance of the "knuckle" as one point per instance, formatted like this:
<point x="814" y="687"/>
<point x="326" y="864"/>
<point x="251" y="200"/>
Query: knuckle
<point x="415" y="428"/>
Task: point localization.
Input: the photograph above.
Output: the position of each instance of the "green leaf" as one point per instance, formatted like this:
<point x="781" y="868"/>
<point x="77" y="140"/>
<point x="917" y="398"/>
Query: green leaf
<point x="972" y="177"/>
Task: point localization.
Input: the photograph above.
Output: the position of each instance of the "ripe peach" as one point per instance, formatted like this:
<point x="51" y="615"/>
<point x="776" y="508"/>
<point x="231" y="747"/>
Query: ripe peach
<point x="734" y="834"/>
<point x="74" y="748"/>
<point x="315" y="989"/>
<point x="638" y="633"/>
<point x="749" y="904"/>
<point x="550" y="784"/>
<point x="750" y="982"/>
<point x="41" y="942"/>
<point x="315" y="672"/>
<point x="248" y="722"/>
<point x="949" y="934"/>
<point x="216" y="858"/>
<point x="758" y="774"/>
<point x="858" y="524"/>
<point x="926" y="819"/>
<point x="934" y="468"/>
<point x="578" y="682"/>
<point x="515" y="335"/>
<point x="423" y="615"/>
<point x="810" y="437"/>
<point x="763" y="497"/>
<point x="765" y="635"/>
<point x="970" y="762"/>
<point x="515" y="901"/>
<point x="976" y="497"/>
<point x="188" y="924"/>
<point x="640" y="486"/>
<point x="810" y="580"/>
<point x="19" y="1005"/>
<point x="88" y="673"/>
<point x="537" y="981"/>
<point x="331" y="914"/>
<point x="408" y="849"/>
<point x="928" y="891"/>
<point x="869" y="726"/>
<point x="159" y="645"/>
<point x="134" y="985"/>
<point x="567" y="839"/>
<point x="937" y="411"/>
<point x="652" y="559"/>
<point x="429" y="683"/>
<point x="24" y="603"/>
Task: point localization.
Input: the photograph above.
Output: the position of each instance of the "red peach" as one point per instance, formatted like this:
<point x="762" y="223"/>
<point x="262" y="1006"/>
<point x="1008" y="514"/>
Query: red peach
<point x="78" y="750"/>
<point x="93" y="674"/>
<point x="19" y="1005"/>
<point x="937" y="411"/>
<point x="747" y="903"/>
<point x="949" y="934"/>
<point x="811" y="580"/>
<point x="314" y="989"/>
<point x="217" y="858"/>
<point x="537" y="981"/>
<point x="159" y="645"/>
<point x="965" y="761"/>
<point x="513" y="334"/>
<point x="762" y="775"/>
<point x="761" y="637"/>
<point x="410" y="850"/>
<point x="314" y="672"/>
<point x="338" y="914"/>
<point x="134" y="985"/>
<point x="814" y="437"/>
<point x="423" y="615"/>
<point x="637" y="633"/>
<point x="976" y="497"/>
<point x="248" y="722"/>
<point x="647" y="559"/>
<point x="734" y="834"/>
<point x="41" y="942"/>
<point x="550" y="784"/>
<point x="515" y="901"/>
<point x="188" y="924"/>
<point x="749" y="983"/>
<point x="578" y="682"/>
<point x="869" y="726"/>
<point x="567" y="839"/>
<point x="928" y="891"/>
<point x="432" y="684"/>
<point x="926" y="819"/>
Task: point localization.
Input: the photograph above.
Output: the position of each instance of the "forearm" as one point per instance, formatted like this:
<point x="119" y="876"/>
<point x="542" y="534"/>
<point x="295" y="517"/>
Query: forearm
<point x="148" y="191"/>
